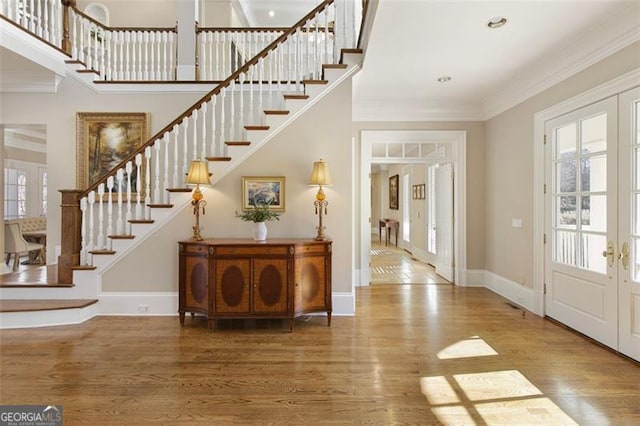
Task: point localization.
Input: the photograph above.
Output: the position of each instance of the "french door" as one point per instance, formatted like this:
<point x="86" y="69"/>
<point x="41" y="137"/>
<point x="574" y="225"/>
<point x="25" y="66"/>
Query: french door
<point x="592" y="221"/>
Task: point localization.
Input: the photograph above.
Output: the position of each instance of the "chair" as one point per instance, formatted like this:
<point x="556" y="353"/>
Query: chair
<point x="14" y="242"/>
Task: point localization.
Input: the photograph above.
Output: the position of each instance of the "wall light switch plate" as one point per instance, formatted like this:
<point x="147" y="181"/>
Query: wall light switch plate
<point x="516" y="223"/>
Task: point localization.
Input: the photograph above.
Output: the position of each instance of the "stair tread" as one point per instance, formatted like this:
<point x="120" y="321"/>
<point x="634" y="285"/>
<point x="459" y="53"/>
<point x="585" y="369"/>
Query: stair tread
<point x="179" y="189"/>
<point x="21" y="305"/>
<point x="276" y="112"/>
<point x="140" y="221"/>
<point x="160" y="206"/>
<point x="83" y="268"/>
<point x="89" y="71"/>
<point x="315" y="81"/>
<point x="335" y="66"/>
<point x="301" y="97"/>
<point x="121" y="237"/>
<point x="237" y="143"/>
<point x="256" y="127"/>
<point x="102" y="251"/>
<point x="218" y="158"/>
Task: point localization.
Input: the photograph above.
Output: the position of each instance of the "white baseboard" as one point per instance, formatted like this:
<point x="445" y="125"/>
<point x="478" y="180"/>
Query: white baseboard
<point x="31" y="319"/>
<point x="517" y="293"/>
<point x="471" y="278"/>
<point x="126" y="303"/>
<point x="344" y="304"/>
<point x="421" y="255"/>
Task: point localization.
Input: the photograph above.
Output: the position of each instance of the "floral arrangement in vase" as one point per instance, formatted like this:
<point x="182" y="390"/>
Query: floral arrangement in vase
<point x="259" y="213"/>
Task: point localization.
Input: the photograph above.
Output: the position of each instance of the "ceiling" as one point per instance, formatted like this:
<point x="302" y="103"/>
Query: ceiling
<point x="414" y="42"/>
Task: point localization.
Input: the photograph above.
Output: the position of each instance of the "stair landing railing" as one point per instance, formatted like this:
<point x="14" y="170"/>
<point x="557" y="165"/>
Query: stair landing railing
<point x="109" y="207"/>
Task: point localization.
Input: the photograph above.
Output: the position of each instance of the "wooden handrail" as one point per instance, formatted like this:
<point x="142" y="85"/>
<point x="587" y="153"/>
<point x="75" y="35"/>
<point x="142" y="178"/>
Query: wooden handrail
<point x="206" y="98"/>
<point x="255" y="29"/>
<point x="365" y="9"/>
<point x="106" y="28"/>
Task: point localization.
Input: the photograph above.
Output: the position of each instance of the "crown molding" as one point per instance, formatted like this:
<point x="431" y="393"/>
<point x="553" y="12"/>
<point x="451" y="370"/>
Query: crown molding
<point x="530" y="84"/>
<point x="412" y="110"/>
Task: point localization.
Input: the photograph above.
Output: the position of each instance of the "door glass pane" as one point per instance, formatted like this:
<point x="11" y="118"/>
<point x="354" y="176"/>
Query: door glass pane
<point x="635" y="259"/>
<point x="635" y="218"/>
<point x="565" y="247"/>
<point x="594" y="134"/>
<point x="593" y="173"/>
<point x="636" y="180"/>
<point x="566" y="211"/>
<point x="566" y="141"/>
<point x="591" y="254"/>
<point x="594" y="212"/>
<point x="566" y="176"/>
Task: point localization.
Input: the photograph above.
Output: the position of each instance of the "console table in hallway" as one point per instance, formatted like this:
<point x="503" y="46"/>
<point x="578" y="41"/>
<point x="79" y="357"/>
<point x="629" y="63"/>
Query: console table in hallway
<point x="388" y="224"/>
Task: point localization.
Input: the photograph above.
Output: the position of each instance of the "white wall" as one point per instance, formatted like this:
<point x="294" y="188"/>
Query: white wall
<point x="322" y="132"/>
<point x="509" y="167"/>
<point x="58" y="112"/>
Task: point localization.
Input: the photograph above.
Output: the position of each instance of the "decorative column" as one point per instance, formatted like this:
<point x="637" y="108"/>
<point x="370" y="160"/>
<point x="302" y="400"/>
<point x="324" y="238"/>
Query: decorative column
<point x="4" y="269"/>
<point x="66" y="31"/>
<point x="187" y="12"/>
<point x="70" y="238"/>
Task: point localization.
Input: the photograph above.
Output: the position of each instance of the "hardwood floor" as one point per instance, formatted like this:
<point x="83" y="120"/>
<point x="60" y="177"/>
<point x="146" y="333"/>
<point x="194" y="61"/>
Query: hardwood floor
<point x="414" y="354"/>
<point x="393" y="265"/>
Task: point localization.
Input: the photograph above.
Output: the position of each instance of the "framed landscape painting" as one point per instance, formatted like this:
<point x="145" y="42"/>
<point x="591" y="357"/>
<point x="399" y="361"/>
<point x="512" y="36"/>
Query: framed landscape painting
<point x="103" y="140"/>
<point x="263" y="190"/>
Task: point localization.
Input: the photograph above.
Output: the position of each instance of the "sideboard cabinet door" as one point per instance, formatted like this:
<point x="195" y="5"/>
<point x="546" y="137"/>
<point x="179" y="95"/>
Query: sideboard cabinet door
<point x="270" y="285"/>
<point x="233" y="278"/>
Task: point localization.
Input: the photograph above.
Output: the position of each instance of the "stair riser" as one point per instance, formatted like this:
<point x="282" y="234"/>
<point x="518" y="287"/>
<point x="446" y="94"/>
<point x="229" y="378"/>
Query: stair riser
<point x="76" y="292"/>
<point x="47" y="318"/>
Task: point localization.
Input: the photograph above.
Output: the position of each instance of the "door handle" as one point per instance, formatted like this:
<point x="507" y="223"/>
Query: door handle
<point x="609" y="253"/>
<point x="624" y="256"/>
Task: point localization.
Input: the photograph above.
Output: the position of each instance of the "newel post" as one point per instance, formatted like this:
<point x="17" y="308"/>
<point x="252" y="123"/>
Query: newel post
<point x="66" y="32"/>
<point x="70" y="234"/>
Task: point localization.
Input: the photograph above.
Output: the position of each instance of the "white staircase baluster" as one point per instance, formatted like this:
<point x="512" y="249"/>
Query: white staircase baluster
<point x="212" y="148"/>
<point x="138" y="187"/>
<point x="127" y="61"/>
<point x="232" y="112"/>
<point x="91" y="231"/>
<point x="216" y="65"/>
<point x="101" y="238"/>
<point x="162" y="64"/>
<point x="251" y="73"/>
<point x="120" y="187"/>
<point x="147" y="42"/>
<point x="223" y="68"/>
<point x="39" y="16"/>
<point x="185" y="146"/>
<point x="222" y="128"/>
<point x="129" y="170"/>
<point x="147" y="182"/>
<point x="83" y="231"/>
<point x="176" y="160"/>
<point x="110" y="207"/>
<point x="194" y="119"/>
<point x="32" y="20"/>
<point x="156" y="173"/>
<point x="241" y="101"/>
<point x="203" y="149"/>
<point x="165" y="193"/>
<point x="155" y="60"/>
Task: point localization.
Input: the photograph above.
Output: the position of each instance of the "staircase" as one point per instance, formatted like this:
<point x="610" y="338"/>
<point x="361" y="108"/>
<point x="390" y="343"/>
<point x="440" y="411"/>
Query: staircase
<point x="226" y="126"/>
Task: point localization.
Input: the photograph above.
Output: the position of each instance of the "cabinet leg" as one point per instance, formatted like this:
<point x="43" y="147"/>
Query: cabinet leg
<point x="291" y="325"/>
<point x="181" y="318"/>
<point x="328" y="319"/>
<point x="211" y="323"/>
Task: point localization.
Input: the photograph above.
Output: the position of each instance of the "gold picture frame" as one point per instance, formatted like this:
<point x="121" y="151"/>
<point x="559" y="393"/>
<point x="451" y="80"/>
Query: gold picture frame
<point x="103" y="140"/>
<point x="263" y="189"/>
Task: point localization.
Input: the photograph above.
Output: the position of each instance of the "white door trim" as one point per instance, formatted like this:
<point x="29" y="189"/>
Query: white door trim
<point x="603" y="91"/>
<point x="457" y="139"/>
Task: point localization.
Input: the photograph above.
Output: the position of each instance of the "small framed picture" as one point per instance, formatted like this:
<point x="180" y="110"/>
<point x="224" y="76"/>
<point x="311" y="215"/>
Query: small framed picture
<point x="257" y="190"/>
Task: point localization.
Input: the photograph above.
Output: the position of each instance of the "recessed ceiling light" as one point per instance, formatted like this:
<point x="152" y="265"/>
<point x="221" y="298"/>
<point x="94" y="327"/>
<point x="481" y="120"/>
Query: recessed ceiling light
<point x="272" y="13"/>
<point x="496" y="22"/>
<point x="444" y="79"/>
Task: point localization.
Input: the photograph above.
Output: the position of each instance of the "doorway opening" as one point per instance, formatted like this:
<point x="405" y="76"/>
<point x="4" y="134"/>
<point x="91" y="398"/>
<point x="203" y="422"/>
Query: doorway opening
<point x="394" y="152"/>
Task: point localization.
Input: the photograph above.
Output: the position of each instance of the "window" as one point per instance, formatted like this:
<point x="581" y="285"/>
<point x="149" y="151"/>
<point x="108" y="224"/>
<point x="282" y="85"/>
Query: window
<point x="15" y="193"/>
<point x="42" y="172"/>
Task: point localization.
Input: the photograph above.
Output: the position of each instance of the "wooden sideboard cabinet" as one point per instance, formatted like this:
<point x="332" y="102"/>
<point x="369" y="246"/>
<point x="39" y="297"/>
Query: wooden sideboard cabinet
<point x="241" y="278"/>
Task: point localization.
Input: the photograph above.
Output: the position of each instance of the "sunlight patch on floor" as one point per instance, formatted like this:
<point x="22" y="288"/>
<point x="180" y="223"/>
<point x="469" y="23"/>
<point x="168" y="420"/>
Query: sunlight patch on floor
<point x="466" y="349"/>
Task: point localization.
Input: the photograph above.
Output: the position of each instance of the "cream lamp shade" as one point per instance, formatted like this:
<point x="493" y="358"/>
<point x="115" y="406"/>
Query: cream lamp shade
<point x="320" y="174"/>
<point x="198" y="173"/>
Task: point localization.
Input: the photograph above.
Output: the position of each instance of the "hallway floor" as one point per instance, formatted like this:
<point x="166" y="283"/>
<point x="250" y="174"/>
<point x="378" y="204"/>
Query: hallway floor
<point x="393" y="265"/>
